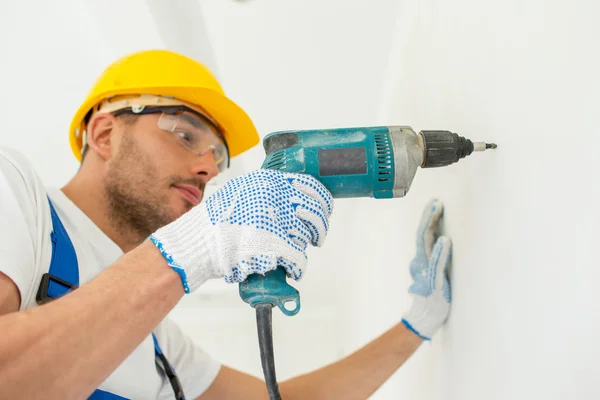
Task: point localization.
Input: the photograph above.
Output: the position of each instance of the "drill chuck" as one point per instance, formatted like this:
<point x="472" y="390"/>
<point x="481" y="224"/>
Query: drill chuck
<point x="442" y="148"/>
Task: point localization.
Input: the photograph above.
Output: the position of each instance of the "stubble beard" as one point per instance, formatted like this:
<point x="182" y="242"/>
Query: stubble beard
<point x="136" y="207"/>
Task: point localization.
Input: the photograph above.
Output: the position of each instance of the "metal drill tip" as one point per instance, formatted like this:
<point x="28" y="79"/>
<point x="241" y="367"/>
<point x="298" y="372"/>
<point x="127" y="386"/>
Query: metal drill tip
<point x="482" y="146"/>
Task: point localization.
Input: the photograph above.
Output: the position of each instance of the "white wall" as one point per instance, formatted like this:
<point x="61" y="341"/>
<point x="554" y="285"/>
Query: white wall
<point x="526" y="313"/>
<point x="523" y="74"/>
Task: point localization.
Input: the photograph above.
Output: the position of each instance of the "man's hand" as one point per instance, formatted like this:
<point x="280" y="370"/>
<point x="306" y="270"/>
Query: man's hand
<point x="430" y="289"/>
<point x="251" y="225"/>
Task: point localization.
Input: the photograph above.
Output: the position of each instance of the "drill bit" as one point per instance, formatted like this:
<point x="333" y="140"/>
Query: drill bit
<point x="482" y="146"/>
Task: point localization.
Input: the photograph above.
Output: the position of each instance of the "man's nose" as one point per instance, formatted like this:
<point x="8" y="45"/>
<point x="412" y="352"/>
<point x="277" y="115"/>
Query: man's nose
<point x="205" y="166"/>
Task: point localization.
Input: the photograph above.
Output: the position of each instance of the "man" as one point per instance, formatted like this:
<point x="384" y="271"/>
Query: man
<point x="155" y="128"/>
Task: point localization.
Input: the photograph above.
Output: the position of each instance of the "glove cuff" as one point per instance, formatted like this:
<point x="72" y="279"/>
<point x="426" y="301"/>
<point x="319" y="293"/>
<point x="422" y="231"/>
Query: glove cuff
<point x="424" y="318"/>
<point x="189" y="246"/>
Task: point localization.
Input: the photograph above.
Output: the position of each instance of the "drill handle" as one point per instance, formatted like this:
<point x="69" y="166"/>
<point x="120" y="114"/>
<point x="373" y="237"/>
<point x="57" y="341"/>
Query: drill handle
<point x="271" y="288"/>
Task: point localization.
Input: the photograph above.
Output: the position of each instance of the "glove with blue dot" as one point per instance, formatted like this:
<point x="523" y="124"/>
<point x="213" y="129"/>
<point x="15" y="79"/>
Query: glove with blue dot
<point x="430" y="290"/>
<point x="253" y="224"/>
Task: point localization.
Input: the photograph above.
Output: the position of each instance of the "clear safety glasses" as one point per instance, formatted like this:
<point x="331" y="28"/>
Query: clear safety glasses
<point x="191" y="129"/>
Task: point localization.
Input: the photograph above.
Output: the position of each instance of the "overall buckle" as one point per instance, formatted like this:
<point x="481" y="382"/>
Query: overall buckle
<point x="59" y="288"/>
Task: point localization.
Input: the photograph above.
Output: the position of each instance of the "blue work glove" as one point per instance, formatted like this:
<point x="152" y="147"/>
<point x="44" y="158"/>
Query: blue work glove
<point x="430" y="290"/>
<point x="253" y="224"/>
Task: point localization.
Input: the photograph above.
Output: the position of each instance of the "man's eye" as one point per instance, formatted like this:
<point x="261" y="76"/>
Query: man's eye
<point x="186" y="136"/>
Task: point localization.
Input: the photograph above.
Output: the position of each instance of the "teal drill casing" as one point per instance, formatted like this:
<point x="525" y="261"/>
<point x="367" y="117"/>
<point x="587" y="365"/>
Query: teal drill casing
<point x="377" y="162"/>
<point x="350" y="162"/>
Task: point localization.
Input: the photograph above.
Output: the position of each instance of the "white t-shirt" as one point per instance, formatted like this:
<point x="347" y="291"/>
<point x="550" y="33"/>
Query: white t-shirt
<point x="25" y="251"/>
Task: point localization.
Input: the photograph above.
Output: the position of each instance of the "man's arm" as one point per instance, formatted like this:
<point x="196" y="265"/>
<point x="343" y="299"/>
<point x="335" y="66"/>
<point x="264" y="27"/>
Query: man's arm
<point x="357" y="376"/>
<point x="67" y="348"/>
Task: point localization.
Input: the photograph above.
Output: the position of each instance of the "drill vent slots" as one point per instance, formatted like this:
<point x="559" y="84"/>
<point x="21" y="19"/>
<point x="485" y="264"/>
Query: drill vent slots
<point x="383" y="152"/>
<point x="277" y="160"/>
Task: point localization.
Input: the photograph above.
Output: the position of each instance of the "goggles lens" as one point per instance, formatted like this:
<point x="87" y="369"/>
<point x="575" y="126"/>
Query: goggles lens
<point x="196" y="135"/>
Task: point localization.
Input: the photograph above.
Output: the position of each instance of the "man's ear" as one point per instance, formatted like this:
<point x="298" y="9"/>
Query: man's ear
<point x="100" y="135"/>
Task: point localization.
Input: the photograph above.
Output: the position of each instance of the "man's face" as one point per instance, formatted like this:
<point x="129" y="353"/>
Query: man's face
<point x="152" y="179"/>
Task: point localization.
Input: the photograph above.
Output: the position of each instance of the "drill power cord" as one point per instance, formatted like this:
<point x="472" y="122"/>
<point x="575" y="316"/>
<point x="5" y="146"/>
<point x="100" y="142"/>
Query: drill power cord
<point x="265" y="341"/>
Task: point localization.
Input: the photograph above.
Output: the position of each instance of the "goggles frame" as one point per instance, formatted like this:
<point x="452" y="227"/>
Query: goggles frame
<point x="137" y="109"/>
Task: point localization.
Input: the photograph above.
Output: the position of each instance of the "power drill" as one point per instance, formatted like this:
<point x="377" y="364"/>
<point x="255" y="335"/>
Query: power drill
<point x="379" y="162"/>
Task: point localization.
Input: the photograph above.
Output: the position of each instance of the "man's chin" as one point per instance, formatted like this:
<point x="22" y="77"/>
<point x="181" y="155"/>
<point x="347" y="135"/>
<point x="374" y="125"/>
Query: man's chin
<point x="182" y="208"/>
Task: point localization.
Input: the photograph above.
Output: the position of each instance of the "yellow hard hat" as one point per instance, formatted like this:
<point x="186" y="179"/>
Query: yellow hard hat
<point x="168" y="74"/>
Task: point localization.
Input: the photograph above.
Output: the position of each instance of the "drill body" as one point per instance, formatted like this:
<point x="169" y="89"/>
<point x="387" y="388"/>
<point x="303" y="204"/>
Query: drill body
<point x="375" y="162"/>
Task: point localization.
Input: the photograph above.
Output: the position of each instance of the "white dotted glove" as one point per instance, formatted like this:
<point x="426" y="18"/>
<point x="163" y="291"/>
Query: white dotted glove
<point x="253" y="224"/>
<point x="430" y="290"/>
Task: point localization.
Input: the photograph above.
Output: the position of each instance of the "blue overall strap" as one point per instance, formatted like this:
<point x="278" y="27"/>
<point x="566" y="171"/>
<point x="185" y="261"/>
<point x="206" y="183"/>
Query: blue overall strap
<point x="63" y="277"/>
<point x="63" y="274"/>
<point x="102" y="395"/>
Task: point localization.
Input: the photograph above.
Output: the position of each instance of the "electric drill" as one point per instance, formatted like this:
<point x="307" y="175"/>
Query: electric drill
<point x="378" y="162"/>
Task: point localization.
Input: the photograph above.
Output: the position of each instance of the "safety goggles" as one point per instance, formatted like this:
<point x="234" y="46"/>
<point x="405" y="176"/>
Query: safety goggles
<point x="191" y="129"/>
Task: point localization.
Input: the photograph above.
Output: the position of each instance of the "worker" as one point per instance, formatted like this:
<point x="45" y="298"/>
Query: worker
<point x="89" y="272"/>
